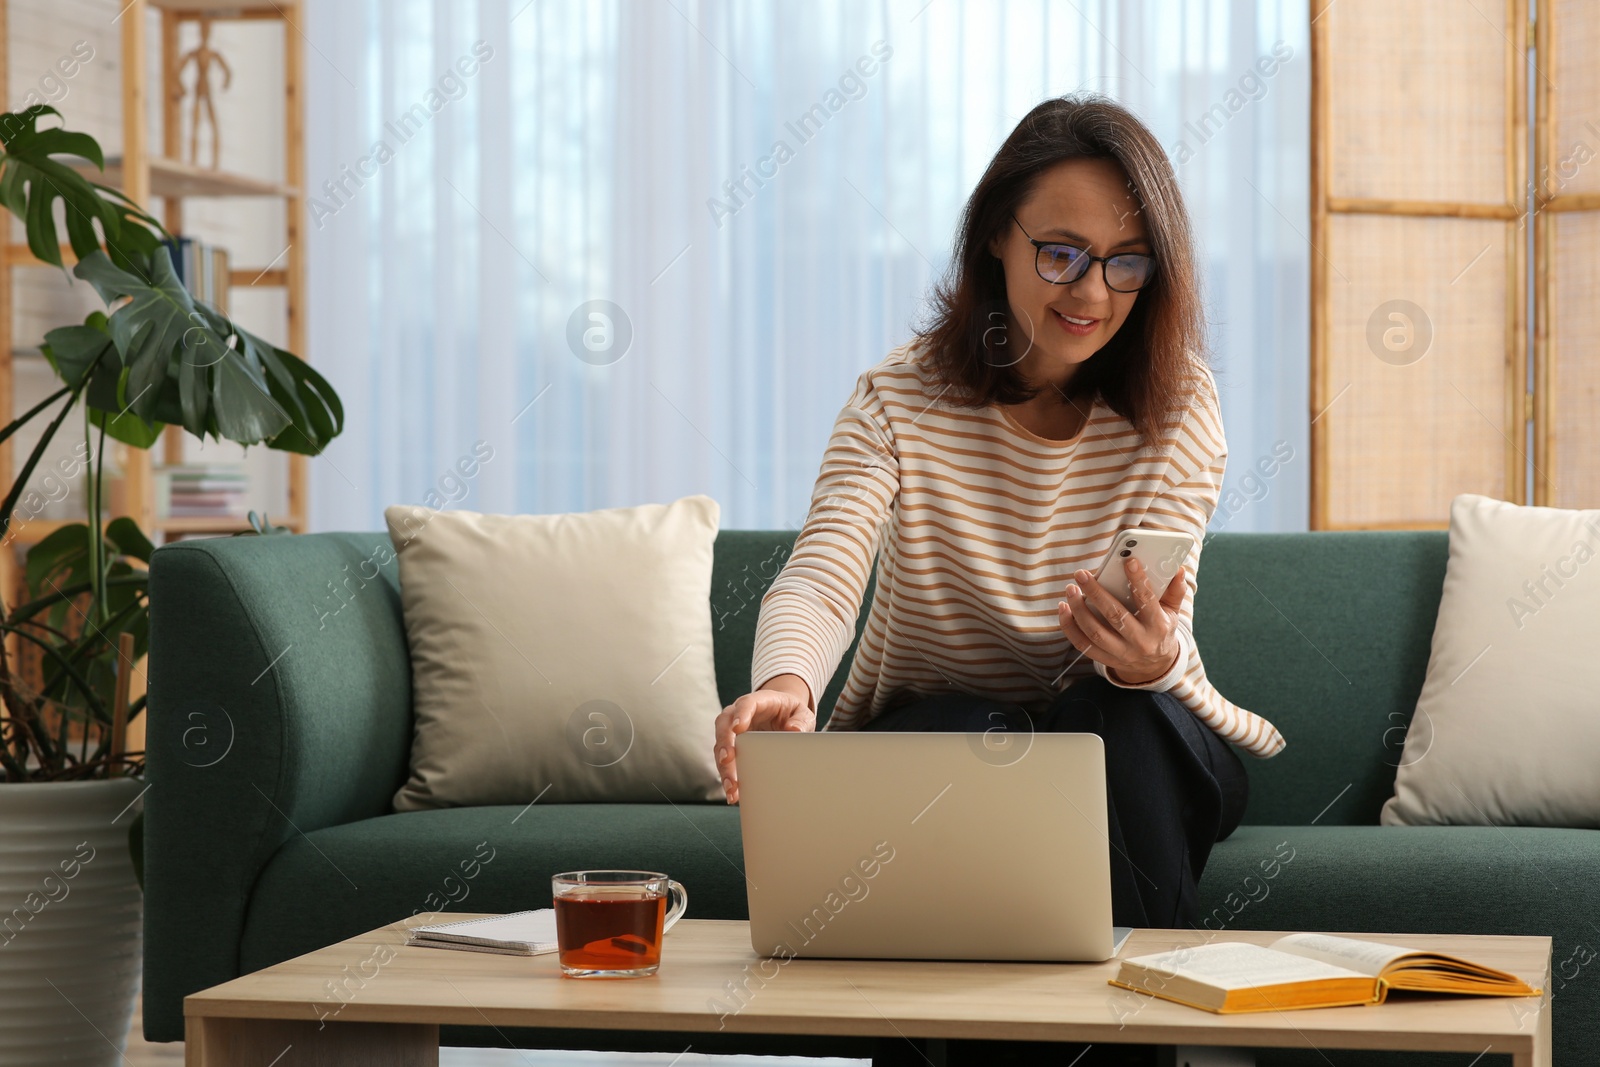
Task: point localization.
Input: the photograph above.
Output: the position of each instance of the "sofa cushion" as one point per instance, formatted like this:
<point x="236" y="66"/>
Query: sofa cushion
<point x="568" y="653"/>
<point x="1326" y="634"/>
<point x="1421" y="879"/>
<point x="1507" y="729"/>
<point x="338" y="882"/>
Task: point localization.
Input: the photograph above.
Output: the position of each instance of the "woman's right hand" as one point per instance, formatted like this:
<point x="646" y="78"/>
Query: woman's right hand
<point x="770" y="708"/>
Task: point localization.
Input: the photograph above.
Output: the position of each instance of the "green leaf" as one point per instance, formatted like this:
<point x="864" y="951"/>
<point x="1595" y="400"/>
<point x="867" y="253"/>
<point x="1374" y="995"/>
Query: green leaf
<point x="105" y="389"/>
<point x="20" y="134"/>
<point x="62" y="557"/>
<point x="317" y="416"/>
<point x="263" y="526"/>
<point x="128" y="428"/>
<point x="157" y="329"/>
<point x="194" y="404"/>
<point x="236" y="400"/>
<point x="314" y="408"/>
<point x="31" y="181"/>
<point x="314" y="412"/>
<point x="182" y="354"/>
<point x="121" y="595"/>
<point x="138" y="233"/>
<point x="271" y="368"/>
<point x="75" y="350"/>
<point x="56" y="551"/>
<point x="126" y="539"/>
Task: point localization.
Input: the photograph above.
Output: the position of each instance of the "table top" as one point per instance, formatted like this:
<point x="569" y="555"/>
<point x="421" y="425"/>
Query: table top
<point x="711" y="979"/>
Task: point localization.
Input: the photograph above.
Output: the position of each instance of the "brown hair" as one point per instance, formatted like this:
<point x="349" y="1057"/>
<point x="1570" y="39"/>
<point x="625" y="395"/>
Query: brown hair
<point x="1146" y="371"/>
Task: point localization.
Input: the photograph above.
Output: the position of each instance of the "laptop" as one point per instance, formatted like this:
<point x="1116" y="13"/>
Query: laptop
<point x="927" y="846"/>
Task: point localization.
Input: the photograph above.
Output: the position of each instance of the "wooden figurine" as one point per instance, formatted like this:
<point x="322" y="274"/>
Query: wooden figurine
<point x="203" y="56"/>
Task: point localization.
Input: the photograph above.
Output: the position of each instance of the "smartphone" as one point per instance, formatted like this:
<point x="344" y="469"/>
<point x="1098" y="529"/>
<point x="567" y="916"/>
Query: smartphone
<point x="1161" y="552"/>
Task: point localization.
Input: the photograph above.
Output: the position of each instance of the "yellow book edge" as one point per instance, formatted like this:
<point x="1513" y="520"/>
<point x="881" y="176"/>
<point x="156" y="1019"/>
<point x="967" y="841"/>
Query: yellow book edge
<point x="1287" y="999"/>
<point x="1290" y="998"/>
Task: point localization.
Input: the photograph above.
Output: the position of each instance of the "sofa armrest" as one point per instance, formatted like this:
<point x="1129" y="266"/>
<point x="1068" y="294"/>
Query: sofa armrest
<point x="279" y="704"/>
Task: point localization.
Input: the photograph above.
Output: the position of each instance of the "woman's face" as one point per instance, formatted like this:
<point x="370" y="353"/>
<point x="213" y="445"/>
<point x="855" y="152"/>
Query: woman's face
<point x="1084" y="202"/>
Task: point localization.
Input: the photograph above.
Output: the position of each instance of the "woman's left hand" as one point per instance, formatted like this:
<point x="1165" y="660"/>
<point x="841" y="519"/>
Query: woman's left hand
<point x="1139" y="645"/>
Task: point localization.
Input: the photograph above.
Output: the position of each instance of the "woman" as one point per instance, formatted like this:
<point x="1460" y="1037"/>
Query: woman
<point x="1058" y="395"/>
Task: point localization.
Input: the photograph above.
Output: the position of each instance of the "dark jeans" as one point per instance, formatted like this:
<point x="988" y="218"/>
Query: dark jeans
<point x="1173" y="789"/>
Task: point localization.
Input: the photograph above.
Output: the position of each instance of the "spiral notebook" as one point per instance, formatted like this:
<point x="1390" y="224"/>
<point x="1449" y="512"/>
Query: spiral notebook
<point x="521" y="933"/>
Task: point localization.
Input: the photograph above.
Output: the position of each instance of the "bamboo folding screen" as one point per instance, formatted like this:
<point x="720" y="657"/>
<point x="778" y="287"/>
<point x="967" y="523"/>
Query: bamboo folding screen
<point x="1567" y="256"/>
<point x="1420" y="258"/>
<point x="1420" y="266"/>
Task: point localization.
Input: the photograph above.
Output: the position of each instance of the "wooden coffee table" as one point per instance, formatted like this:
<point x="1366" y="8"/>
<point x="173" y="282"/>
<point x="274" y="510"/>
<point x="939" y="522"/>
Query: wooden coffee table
<point x="373" y="1000"/>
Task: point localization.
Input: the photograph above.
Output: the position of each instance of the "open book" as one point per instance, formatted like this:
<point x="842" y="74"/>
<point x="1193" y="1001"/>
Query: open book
<point x="522" y="933"/>
<point x="1306" y="971"/>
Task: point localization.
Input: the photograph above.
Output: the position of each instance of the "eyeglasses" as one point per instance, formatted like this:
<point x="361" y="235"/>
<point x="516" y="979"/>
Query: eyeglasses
<point x="1062" y="264"/>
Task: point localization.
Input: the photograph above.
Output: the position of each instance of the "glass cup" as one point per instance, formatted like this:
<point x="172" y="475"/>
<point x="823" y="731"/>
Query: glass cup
<point x="609" y="924"/>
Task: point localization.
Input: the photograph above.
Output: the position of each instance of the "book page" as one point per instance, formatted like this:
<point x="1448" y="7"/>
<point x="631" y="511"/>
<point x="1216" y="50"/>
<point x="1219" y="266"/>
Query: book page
<point x="1368" y="957"/>
<point x="1235" y="965"/>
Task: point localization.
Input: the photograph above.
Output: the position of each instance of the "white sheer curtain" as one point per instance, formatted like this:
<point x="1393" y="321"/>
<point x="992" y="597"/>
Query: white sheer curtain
<point x="762" y="191"/>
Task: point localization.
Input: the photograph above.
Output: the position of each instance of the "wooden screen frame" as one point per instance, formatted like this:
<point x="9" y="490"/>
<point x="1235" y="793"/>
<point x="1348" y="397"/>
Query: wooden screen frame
<point x="1519" y="403"/>
<point x="1545" y="488"/>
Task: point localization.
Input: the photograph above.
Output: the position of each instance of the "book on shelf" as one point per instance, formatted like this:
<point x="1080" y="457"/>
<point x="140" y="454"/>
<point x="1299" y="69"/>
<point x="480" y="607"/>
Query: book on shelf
<point x="201" y="490"/>
<point x="202" y="269"/>
<point x="1306" y="971"/>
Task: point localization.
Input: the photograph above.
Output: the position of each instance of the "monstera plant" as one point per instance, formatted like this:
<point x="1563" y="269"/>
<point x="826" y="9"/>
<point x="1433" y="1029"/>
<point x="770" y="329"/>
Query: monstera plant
<point x="155" y="357"/>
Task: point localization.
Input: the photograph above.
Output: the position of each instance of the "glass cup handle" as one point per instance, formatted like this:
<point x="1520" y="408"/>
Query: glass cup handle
<point x="676" y="911"/>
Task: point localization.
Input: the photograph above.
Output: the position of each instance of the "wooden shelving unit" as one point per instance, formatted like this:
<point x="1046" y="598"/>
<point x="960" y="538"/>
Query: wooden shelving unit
<point x="172" y="179"/>
<point x="144" y="175"/>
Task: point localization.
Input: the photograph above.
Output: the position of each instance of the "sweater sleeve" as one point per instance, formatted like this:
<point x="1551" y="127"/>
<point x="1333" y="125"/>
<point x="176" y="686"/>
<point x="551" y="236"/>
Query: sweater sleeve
<point x="808" y="614"/>
<point x="1194" y="483"/>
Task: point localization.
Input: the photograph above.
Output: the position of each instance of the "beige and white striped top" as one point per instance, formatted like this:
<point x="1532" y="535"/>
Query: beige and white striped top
<point x="981" y="524"/>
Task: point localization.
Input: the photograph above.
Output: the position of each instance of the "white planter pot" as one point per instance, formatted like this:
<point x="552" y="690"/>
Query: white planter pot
<point x="69" y="922"/>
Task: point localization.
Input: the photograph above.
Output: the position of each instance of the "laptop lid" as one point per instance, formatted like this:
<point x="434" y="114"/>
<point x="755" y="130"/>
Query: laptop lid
<point x="926" y="846"/>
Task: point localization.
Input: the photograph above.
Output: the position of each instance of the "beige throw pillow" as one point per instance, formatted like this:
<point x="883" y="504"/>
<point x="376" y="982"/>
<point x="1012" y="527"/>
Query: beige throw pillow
<point x="1507" y="729"/>
<point x="562" y="658"/>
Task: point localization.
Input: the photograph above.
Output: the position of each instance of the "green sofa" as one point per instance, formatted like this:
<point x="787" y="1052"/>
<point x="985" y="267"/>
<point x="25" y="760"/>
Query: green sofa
<point x="280" y="725"/>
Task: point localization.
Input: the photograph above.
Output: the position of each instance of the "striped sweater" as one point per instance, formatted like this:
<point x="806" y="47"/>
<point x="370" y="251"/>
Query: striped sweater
<point x="981" y="523"/>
